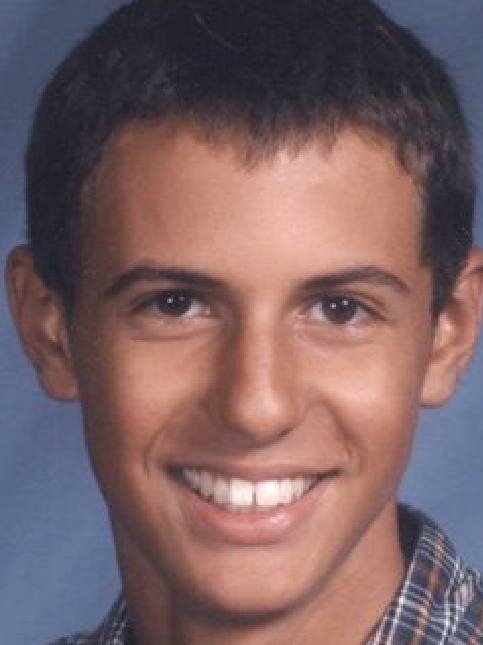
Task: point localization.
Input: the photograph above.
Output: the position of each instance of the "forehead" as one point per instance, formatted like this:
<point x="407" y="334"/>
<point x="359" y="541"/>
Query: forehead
<point x="173" y="191"/>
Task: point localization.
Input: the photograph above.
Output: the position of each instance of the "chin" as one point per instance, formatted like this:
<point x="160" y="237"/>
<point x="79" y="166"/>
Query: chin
<point x="246" y="605"/>
<point x="250" y="587"/>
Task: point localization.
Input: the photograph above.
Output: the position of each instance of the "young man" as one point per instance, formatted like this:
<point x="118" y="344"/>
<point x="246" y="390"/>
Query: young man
<point x="250" y="258"/>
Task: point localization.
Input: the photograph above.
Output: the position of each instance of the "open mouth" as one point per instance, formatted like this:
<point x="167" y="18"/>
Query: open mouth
<point x="242" y="495"/>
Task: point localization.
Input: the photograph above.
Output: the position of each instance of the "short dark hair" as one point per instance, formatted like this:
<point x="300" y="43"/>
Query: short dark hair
<point x="272" y="69"/>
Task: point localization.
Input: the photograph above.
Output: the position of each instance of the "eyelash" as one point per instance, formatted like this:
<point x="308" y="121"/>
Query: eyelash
<point x="338" y="310"/>
<point x="180" y="300"/>
<point x="351" y="310"/>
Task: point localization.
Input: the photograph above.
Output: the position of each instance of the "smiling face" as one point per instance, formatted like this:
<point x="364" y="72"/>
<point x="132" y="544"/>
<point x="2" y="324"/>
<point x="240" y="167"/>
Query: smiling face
<point x="251" y="347"/>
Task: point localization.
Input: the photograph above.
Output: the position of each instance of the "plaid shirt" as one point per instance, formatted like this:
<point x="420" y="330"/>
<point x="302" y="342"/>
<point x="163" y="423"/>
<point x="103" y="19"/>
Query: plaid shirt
<point x="439" y="603"/>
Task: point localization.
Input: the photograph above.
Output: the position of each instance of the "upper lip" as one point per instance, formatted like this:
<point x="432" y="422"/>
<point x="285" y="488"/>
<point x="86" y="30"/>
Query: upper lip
<point x="254" y="473"/>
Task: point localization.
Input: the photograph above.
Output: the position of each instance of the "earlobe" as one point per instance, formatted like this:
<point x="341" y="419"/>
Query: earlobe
<point x="41" y="325"/>
<point x="455" y="334"/>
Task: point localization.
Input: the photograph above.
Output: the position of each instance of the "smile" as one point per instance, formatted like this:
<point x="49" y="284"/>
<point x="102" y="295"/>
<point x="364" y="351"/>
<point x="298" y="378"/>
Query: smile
<point x="240" y="495"/>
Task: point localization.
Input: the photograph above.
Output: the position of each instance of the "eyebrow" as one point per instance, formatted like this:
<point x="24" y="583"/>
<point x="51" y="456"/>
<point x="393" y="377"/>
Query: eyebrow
<point x="158" y="273"/>
<point x="367" y="274"/>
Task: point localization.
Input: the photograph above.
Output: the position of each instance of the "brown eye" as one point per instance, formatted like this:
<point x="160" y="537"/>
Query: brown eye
<point x="175" y="304"/>
<point x="338" y="310"/>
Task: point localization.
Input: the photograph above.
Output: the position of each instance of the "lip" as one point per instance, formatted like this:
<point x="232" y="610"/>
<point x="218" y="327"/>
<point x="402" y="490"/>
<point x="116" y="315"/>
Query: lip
<point x="251" y="473"/>
<point x="249" y="528"/>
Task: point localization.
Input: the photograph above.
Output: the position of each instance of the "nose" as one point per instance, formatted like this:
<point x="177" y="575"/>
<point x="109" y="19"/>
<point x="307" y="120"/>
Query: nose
<point x="260" y="393"/>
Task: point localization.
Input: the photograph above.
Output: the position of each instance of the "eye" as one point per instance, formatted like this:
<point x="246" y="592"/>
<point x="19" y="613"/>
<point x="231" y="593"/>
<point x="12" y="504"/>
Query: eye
<point x="175" y="303"/>
<point x="339" y="310"/>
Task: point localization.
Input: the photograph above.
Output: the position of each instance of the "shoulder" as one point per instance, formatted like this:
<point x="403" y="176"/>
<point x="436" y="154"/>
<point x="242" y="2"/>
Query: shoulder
<point x="114" y="630"/>
<point x="467" y="602"/>
<point x="78" y="639"/>
<point x="447" y="593"/>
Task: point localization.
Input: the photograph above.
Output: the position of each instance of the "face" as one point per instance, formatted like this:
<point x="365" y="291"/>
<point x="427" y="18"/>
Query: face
<point x="251" y="346"/>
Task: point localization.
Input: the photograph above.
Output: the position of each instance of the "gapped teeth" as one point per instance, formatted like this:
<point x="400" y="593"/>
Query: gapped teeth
<point x="241" y="494"/>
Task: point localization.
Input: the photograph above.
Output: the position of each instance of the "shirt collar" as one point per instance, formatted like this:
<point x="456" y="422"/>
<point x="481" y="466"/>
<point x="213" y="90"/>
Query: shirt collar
<point x="440" y="601"/>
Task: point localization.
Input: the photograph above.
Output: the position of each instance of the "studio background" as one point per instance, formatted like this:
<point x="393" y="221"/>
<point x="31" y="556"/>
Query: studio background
<point x="57" y="569"/>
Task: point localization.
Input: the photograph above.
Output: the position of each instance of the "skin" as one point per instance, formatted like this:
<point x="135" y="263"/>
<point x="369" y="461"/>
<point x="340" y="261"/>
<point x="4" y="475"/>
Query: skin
<point x="254" y="375"/>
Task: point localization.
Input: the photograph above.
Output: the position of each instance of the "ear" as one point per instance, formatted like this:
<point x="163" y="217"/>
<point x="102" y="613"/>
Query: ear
<point x="41" y="325"/>
<point x="455" y="333"/>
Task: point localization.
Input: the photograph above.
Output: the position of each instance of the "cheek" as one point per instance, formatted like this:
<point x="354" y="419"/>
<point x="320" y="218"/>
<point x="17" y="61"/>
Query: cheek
<point x="134" y="398"/>
<point x="373" y="394"/>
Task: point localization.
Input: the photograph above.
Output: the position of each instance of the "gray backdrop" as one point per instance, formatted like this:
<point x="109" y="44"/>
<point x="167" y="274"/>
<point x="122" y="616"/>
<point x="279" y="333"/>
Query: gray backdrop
<point x="57" y="572"/>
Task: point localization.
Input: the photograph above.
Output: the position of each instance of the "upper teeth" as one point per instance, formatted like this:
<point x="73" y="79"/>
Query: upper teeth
<point x="243" y="494"/>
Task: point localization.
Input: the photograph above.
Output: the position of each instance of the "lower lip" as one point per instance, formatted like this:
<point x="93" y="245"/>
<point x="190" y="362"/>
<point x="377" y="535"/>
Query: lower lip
<point x="250" y="527"/>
